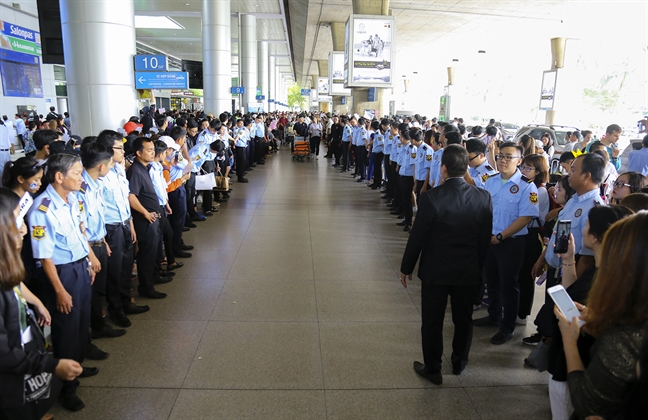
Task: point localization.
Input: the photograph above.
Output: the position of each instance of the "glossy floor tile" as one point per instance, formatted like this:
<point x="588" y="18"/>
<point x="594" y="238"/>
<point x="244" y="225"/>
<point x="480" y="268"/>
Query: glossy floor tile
<point x="291" y="308"/>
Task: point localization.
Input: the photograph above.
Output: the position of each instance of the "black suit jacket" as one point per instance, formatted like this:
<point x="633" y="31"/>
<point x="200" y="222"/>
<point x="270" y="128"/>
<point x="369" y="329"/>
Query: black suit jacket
<point x="451" y="233"/>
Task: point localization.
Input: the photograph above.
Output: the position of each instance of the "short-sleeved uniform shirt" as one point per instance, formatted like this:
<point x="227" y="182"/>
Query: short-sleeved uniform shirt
<point x="142" y="187"/>
<point x="92" y="208"/>
<point x="425" y="153"/>
<point x="513" y="198"/>
<point x="115" y="190"/>
<point x="481" y="174"/>
<point x="378" y="142"/>
<point x="56" y="228"/>
<point x="408" y="160"/>
<point x="435" y="168"/>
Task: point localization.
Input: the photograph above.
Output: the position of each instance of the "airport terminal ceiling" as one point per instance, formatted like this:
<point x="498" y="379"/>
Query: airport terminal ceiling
<point x="428" y="33"/>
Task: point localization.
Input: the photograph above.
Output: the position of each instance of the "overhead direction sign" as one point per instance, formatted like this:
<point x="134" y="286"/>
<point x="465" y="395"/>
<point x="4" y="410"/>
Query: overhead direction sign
<point x="305" y="92"/>
<point x="151" y="63"/>
<point x="238" y="90"/>
<point x="161" y="80"/>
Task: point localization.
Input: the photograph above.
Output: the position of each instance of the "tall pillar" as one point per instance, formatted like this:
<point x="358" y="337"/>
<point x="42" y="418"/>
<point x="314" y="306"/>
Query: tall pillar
<point x="262" y="68"/>
<point x="248" y="59"/>
<point x="217" y="55"/>
<point x="99" y="44"/>
<point x="557" y="62"/>
<point x="338" y="35"/>
<point x="272" y="80"/>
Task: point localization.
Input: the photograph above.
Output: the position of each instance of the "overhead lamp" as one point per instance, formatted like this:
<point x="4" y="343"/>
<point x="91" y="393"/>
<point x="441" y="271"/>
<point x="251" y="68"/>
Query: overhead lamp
<point x="481" y="52"/>
<point x="455" y="60"/>
<point x="156" y="22"/>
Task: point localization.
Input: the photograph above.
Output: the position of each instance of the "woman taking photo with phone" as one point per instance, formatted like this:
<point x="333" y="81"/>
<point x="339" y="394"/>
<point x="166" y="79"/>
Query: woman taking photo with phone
<point x="616" y="315"/>
<point x="27" y="385"/>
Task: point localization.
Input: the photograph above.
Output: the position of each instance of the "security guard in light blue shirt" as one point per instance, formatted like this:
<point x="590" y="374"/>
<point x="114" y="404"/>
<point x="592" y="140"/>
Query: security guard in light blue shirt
<point x="425" y="153"/>
<point x="378" y="143"/>
<point x="199" y="154"/>
<point x="207" y="136"/>
<point x="92" y="208"/>
<point x="347" y="135"/>
<point x="514" y="198"/>
<point x="481" y="173"/>
<point x="243" y="136"/>
<point x="387" y="144"/>
<point x="408" y="160"/>
<point x="115" y="192"/>
<point x="435" y="169"/>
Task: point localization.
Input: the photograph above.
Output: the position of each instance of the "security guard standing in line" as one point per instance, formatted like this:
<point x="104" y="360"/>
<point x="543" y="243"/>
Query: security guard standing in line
<point x="242" y="138"/>
<point x="258" y="131"/>
<point x="347" y="134"/>
<point x="515" y="204"/>
<point x="360" y="150"/>
<point x="59" y="242"/>
<point x="406" y="172"/>
<point x="478" y="166"/>
<point x="97" y="162"/>
<point x="120" y="234"/>
<point x="425" y="153"/>
<point x="387" y="149"/>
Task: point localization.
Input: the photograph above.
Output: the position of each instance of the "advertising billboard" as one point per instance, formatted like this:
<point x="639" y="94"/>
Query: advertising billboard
<point x="369" y="51"/>
<point x="322" y="85"/>
<point x="336" y="74"/>
<point x="548" y="91"/>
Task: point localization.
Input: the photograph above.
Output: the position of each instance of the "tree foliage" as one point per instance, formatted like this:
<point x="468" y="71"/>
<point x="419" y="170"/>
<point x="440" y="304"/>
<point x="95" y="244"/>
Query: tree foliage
<point x="295" y="97"/>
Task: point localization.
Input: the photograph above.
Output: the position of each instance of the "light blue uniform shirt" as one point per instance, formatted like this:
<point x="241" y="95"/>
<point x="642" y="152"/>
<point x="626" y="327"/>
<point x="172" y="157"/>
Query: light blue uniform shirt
<point x="577" y="210"/>
<point x="115" y="191"/>
<point x="199" y="154"/>
<point x="378" y="142"/>
<point x="159" y="183"/>
<point x="387" y="144"/>
<point x="207" y="137"/>
<point x="409" y="160"/>
<point x="481" y="173"/>
<point x="243" y="136"/>
<point x="516" y="198"/>
<point x="638" y="161"/>
<point x="346" y="133"/>
<point x="258" y="129"/>
<point x="19" y="124"/>
<point x="395" y="147"/>
<point x="435" y="168"/>
<point x="92" y="208"/>
<point x="424" y="156"/>
<point x="56" y="228"/>
<point x="359" y="136"/>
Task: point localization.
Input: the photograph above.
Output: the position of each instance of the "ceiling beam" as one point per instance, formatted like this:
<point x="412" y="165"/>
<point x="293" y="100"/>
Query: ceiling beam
<point x="189" y="13"/>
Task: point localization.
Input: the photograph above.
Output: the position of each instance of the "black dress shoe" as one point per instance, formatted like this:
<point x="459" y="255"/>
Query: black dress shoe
<point x="133" y="309"/>
<point x="190" y="224"/>
<point x="457" y="371"/>
<point x="185" y="229"/>
<point x="175" y="265"/>
<point x="187" y="247"/>
<point x="400" y="216"/>
<point x="71" y="402"/>
<point x="153" y="295"/>
<point x="107" y="332"/>
<point x="182" y="254"/>
<point x="395" y="212"/>
<point x="166" y="273"/>
<point x="243" y="180"/>
<point x="407" y="228"/>
<point x="501" y="337"/>
<point x="435" y="378"/>
<point x="120" y="319"/>
<point x="94" y="353"/>
<point x="88" y="372"/>
<point x="484" y="322"/>
<point x="163" y="280"/>
<point x="198" y="218"/>
<point x="403" y="223"/>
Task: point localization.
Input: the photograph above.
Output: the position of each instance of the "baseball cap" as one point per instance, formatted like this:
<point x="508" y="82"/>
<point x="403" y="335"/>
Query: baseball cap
<point x="170" y="143"/>
<point x="131" y="126"/>
<point x="538" y="143"/>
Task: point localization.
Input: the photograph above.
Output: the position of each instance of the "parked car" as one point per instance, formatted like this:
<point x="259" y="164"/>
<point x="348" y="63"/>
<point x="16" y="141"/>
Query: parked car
<point x="557" y="133"/>
<point x="508" y="130"/>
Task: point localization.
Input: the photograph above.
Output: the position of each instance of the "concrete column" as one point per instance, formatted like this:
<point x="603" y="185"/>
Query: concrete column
<point x="262" y="67"/>
<point x="248" y="59"/>
<point x="99" y="44"/>
<point x="338" y="35"/>
<point x="557" y="62"/>
<point x="339" y="107"/>
<point x="272" y="80"/>
<point x="217" y="55"/>
<point x="371" y="7"/>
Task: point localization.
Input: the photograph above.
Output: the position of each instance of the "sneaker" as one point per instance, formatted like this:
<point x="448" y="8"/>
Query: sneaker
<point x="500" y="338"/>
<point x="521" y="321"/>
<point x="476" y="307"/>
<point x="532" y="340"/>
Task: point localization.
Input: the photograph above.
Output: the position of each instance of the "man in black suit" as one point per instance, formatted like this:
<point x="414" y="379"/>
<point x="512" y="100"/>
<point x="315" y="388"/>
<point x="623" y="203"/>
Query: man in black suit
<point x="451" y="233"/>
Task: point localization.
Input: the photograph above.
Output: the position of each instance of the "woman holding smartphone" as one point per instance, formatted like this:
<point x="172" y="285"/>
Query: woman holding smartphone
<point x="616" y="316"/>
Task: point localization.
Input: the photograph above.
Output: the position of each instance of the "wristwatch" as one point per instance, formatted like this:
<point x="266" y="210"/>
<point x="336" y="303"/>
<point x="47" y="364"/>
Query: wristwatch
<point x="499" y="237"/>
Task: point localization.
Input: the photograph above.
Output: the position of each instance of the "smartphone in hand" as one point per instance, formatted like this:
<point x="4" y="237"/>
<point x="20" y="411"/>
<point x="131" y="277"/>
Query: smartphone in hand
<point x="562" y="236"/>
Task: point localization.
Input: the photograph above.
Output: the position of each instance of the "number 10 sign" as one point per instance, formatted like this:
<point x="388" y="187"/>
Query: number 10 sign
<point x="151" y="63"/>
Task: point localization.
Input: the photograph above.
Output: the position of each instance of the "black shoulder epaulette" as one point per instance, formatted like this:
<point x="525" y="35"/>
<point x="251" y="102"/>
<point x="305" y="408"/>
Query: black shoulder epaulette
<point x="489" y="168"/>
<point x="84" y="187"/>
<point x="527" y="180"/>
<point x="44" y="205"/>
<point x="411" y="145"/>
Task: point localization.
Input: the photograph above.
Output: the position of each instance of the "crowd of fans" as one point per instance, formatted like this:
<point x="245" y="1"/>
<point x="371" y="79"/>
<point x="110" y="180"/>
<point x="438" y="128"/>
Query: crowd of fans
<point x="84" y="220"/>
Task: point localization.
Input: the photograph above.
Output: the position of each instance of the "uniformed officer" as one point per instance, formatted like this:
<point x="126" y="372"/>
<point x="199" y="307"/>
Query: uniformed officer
<point x="424" y="157"/>
<point x="242" y="137"/>
<point x="97" y="161"/>
<point x="120" y="233"/>
<point x="58" y="241"/>
<point x="406" y="172"/>
<point x="360" y="151"/>
<point x="347" y="134"/>
<point x="377" y="151"/>
<point x="144" y="202"/>
<point x="515" y="204"/>
<point x="397" y="148"/>
<point x="258" y="131"/>
<point x="387" y="155"/>
<point x="478" y="166"/>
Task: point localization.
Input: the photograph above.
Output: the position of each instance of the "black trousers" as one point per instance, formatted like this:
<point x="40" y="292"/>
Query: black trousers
<point x="315" y="145"/>
<point x="502" y="268"/>
<point x="419" y="187"/>
<point x="434" y="300"/>
<point x="361" y="161"/>
<point x="252" y="150"/>
<point x="346" y="155"/>
<point x="148" y="238"/>
<point x="258" y="149"/>
<point x="336" y="146"/>
<point x="70" y="331"/>
<point x="378" y="172"/>
<point x="97" y="320"/>
<point x="178" y="204"/>
<point x="407" y="185"/>
<point x="532" y="251"/>
<point x="119" y="267"/>
<point x="167" y="237"/>
<point x="190" y="189"/>
<point x="393" y="187"/>
<point x="240" y="162"/>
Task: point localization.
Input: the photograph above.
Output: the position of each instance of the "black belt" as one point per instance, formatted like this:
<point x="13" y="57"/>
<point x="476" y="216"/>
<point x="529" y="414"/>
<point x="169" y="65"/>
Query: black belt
<point x="97" y="243"/>
<point x="4" y="150"/>
<point x="125" y="223"/>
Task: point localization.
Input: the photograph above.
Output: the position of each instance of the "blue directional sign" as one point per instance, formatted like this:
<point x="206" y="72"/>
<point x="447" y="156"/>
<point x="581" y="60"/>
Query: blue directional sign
<point x="371" y="94"/>
<point x="150" y="63"/>
<point x="271" y="101"/>
<point x="161" y="80"/>
<point x="238" y="90"/>
<point x="260" y="97"/>
<point x="305" y="92"/>
<point x="344" y="100"/>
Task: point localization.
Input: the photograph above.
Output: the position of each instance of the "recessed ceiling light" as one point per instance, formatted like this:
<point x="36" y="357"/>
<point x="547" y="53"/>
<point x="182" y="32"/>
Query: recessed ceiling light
<point x="481" y="52"/>
<point x="455" y="59"/>
<point x="156" y="22"/>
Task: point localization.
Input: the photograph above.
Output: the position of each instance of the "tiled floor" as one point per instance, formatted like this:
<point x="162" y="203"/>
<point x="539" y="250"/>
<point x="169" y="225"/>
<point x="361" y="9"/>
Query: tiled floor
<point x="291" y="308"/>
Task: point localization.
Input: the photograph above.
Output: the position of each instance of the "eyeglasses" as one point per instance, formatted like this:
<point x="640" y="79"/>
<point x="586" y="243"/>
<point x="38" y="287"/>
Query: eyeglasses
<point x="506" y="158"/>
<point x="473" y="158"/>
<point x="118" y="147"/>
<point x="527" y="168"/>
<point x="620" y="184"/>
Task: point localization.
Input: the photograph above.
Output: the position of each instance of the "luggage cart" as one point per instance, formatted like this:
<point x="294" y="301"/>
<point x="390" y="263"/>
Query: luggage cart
<point x="301" y="151"/>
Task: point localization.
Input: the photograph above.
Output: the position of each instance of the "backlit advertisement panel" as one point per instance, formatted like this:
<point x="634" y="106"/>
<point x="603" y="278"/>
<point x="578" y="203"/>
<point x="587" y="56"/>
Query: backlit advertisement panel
<point x="369" y="48"/>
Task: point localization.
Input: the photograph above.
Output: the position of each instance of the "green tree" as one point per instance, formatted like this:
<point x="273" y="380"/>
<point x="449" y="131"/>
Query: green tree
<point x="295" y="98"/>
